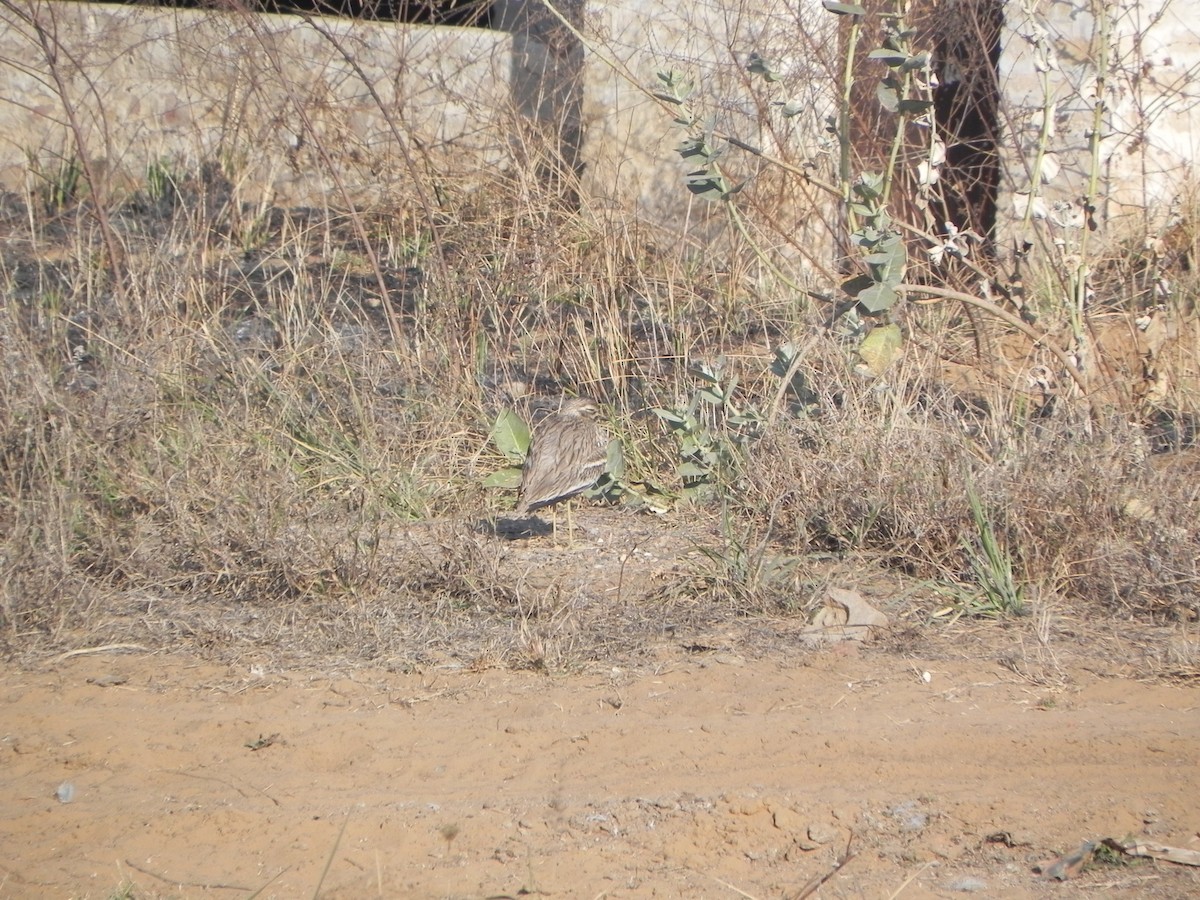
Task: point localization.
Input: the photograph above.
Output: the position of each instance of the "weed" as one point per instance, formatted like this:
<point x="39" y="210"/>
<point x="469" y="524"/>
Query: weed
<point x="1105" y="854"/>
<point x="163" y="186"/>
<point x="449" y="831"/>
<point x="57" y="188"/>
<point x="511" y="436"/>
<point x="747" y="572"/>
<point x="710" y="431"/>
<point x="993" y="567"/>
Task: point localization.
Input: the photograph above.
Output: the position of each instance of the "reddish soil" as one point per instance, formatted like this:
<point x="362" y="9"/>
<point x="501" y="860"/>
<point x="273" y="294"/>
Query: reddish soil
<point x="712" y="775"/>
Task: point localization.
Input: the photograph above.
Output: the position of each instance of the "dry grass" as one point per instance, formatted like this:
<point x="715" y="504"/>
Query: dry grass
<point x="235" y="445"/>
<point x="231" y="437"/>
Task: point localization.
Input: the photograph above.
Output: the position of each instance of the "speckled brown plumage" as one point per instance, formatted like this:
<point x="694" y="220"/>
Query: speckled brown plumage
<point x="567" y="456"/>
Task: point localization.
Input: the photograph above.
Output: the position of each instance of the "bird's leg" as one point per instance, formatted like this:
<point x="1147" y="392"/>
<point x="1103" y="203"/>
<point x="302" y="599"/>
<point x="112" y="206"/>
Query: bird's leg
<point x="554" y="521"/>
<point x="570" y="505"/>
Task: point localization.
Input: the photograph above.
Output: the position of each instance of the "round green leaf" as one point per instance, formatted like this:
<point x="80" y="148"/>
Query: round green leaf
<point x="508" y="479"/>
<point x="877" y="298"/>
<point x="510" y="434"/>
<point x="880" y="347"/>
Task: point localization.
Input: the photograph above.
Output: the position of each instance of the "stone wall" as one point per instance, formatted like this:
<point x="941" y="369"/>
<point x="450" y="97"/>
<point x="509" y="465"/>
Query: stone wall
<point x="1054" y="51"/>
<point x="280" y="102"/>
<point x="309" y="111"/>
<point x="632" y="138"/>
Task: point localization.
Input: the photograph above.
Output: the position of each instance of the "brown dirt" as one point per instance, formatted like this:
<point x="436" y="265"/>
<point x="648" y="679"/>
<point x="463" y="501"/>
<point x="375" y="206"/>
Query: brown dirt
<point x="709" y="775"/>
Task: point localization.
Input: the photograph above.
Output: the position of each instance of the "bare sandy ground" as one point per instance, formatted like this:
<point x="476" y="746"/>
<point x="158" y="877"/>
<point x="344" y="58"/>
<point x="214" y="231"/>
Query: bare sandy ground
<point x="710" y="776"/>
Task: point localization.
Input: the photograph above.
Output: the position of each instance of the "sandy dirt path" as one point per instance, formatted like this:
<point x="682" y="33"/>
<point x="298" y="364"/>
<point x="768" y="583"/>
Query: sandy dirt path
<point x="709" y="776"/>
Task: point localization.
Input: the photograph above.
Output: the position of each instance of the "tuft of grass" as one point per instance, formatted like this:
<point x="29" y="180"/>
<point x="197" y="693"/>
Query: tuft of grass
<point x="993" y="566"/>
<point x="57" y="186"/>
<point x="748" y="572"/>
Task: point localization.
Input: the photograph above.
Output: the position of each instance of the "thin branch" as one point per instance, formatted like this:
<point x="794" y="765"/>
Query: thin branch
<point x="1009" y="319"/>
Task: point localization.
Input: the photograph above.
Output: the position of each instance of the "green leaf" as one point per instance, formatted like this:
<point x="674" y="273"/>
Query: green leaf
<point x="889" y="260"/>
<point x="785" y="355"/>
<point x="696" y="146"/>
<point x="751" y="420"/>
<point x="767" y="68"/>
<point x="671" y="417"/>
<point x="690" y="471"/>
<point x="877" y="298"/>
<point x="679" y="86"/>
<point x="797" y="385"/>
<point x="508" y="479"/>
<point x="893" y="58"/>
<point x="616" y="460"/>
<point x="880" y="347"/>
<point x="706" y="184"/>
<point x="888" y="98"/>
<point x="856" y="285"/>
<point x="843" y="9"/>
<point x="510" y="434"/>
<point x="869" y="186"/>
<point x="882" y="220"/>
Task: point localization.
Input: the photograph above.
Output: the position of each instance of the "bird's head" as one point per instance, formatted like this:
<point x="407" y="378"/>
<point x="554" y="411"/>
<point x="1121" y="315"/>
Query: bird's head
<point x="580" y="407"/>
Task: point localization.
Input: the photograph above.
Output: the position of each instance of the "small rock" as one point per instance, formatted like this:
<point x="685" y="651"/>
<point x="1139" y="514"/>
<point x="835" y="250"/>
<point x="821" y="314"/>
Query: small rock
<point x="845" y="814"/>
<point x="968" y="884"/>
<point x="822" y="832"/>
<point x="786" y="819"/>
<point x="910" y="817"/>
<point x="109" y="680"/>
<point x="745" y="807"/>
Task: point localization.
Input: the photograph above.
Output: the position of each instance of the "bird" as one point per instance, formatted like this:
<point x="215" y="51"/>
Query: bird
<point x="568" y="454"/>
